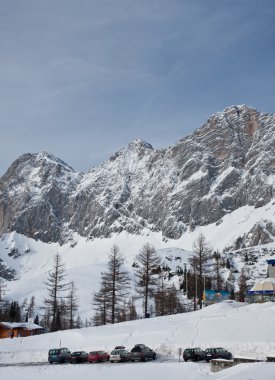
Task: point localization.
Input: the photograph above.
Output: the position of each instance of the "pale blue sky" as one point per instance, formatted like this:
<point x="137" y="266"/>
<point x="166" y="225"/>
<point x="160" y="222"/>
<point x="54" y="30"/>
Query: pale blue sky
<point x="83" y="78"/>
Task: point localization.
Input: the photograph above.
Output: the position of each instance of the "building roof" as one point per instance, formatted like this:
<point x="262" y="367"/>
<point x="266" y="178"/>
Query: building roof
<point x="265" y="285"/>
<point x="23" y="325"/>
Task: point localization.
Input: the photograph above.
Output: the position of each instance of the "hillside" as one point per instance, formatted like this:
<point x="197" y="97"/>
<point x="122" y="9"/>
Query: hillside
<point x="218" y="181"/>
<point x="244" y="330"/>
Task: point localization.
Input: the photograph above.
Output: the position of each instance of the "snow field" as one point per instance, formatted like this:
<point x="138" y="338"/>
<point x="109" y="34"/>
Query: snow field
<point x="245" y="330"/>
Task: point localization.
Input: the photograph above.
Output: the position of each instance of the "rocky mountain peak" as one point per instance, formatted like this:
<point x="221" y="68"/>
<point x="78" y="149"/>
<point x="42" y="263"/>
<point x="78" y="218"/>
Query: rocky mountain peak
<point x="238" y="118"/>
<point x="135" y="150"/>
<point x="29" y="164"/>
<point x="226" y="164"/>
<point x="139" y="144"/>
<point x="49" y="159"/>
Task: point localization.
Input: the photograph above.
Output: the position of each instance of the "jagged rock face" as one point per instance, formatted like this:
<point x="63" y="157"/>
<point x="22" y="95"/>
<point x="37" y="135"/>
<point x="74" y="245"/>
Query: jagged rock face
<point x="263" y="232"/>
<point x="33" y="195"/>
<point x="228" y="163"/>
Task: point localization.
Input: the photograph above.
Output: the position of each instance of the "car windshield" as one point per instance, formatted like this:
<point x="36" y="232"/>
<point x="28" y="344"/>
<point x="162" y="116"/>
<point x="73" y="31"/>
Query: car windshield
<point x="116" y="352"/>
<point x="54" y="352"/>
<point x="76" y="353"/>
<point x="94" y="353"/>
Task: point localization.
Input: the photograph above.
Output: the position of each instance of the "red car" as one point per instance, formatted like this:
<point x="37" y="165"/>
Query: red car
<point x="98" y="356"/>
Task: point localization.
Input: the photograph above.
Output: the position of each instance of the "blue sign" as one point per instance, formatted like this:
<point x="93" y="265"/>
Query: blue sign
<point x="216" y="295"/>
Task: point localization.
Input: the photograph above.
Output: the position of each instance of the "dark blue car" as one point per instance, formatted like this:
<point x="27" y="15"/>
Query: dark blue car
<point x="59" y="355"/>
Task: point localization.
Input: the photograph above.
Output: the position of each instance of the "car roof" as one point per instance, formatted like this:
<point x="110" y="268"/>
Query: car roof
<point x="58" y="349"/>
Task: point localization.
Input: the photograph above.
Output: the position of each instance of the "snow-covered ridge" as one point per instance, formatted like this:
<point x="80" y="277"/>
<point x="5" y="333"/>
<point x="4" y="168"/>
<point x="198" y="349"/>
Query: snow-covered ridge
<point x="226" y="164"/>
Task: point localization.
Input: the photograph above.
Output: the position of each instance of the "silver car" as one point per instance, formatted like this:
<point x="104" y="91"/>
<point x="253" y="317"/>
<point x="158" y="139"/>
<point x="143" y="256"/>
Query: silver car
<point x="119" y="356"/>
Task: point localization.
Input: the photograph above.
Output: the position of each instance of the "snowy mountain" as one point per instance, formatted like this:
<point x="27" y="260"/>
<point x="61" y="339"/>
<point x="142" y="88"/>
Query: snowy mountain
<point x="226" y="164"/>
<point x="218" y="181"/>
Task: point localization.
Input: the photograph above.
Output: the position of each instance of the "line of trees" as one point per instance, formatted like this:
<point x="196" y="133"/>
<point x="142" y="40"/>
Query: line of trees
<point x="13" y="311"/>
<point x="114" y="300"/>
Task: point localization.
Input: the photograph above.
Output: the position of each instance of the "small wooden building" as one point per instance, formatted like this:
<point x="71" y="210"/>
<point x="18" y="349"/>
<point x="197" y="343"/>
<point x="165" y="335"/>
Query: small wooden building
<point x="19" y="329"/>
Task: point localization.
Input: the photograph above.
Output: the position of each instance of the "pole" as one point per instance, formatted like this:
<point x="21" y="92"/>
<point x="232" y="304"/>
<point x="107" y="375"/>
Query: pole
<point x="179" y="352"/>
<point x="196" y="292"/>
<point x="186" y="284"/>
<point x="204" y="296"/>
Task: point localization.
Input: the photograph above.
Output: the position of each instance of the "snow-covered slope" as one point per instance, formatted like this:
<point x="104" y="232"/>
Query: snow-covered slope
<point x="244" y="330"/>
<point x="85" y="259"/>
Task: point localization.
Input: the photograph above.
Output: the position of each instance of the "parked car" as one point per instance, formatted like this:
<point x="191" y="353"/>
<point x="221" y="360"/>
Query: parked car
<point x="217" y="353"/>
<point x="98" y="356"/>
<point x="142" y="353"/>
<point x="194" y="354"/>
<point x="79" y="357"/>
<point x="119" y="356"/>
<point x="59" y="355"/>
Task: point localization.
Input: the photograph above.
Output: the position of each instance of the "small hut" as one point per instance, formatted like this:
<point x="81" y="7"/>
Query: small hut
<point x="263" y="290"/>
<point x="20" y="329"/>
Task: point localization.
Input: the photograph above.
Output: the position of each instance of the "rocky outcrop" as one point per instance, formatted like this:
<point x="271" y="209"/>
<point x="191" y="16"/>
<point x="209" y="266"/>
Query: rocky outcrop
<point x="228" y="163"/>
<point x="263" y="232"/>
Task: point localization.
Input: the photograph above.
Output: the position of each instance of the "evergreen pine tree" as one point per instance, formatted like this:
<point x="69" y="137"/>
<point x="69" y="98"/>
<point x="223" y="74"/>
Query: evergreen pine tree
<point x="132" y="313"/>
<point x="198" y="262"/>
<point x="36" y="319"/>
<point x="101" y="302"/>
<point x="56" y="286"/>
<point x="78" y="323"/>
<point x="109" y="300"/>
<point x="14" y="312"/>
<point x="31" y="307"/>
<point x="242" y="285"/>
<point x="72" y="304"/>
<point x="217" y="270"/>
<point x="146" y="274"/>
